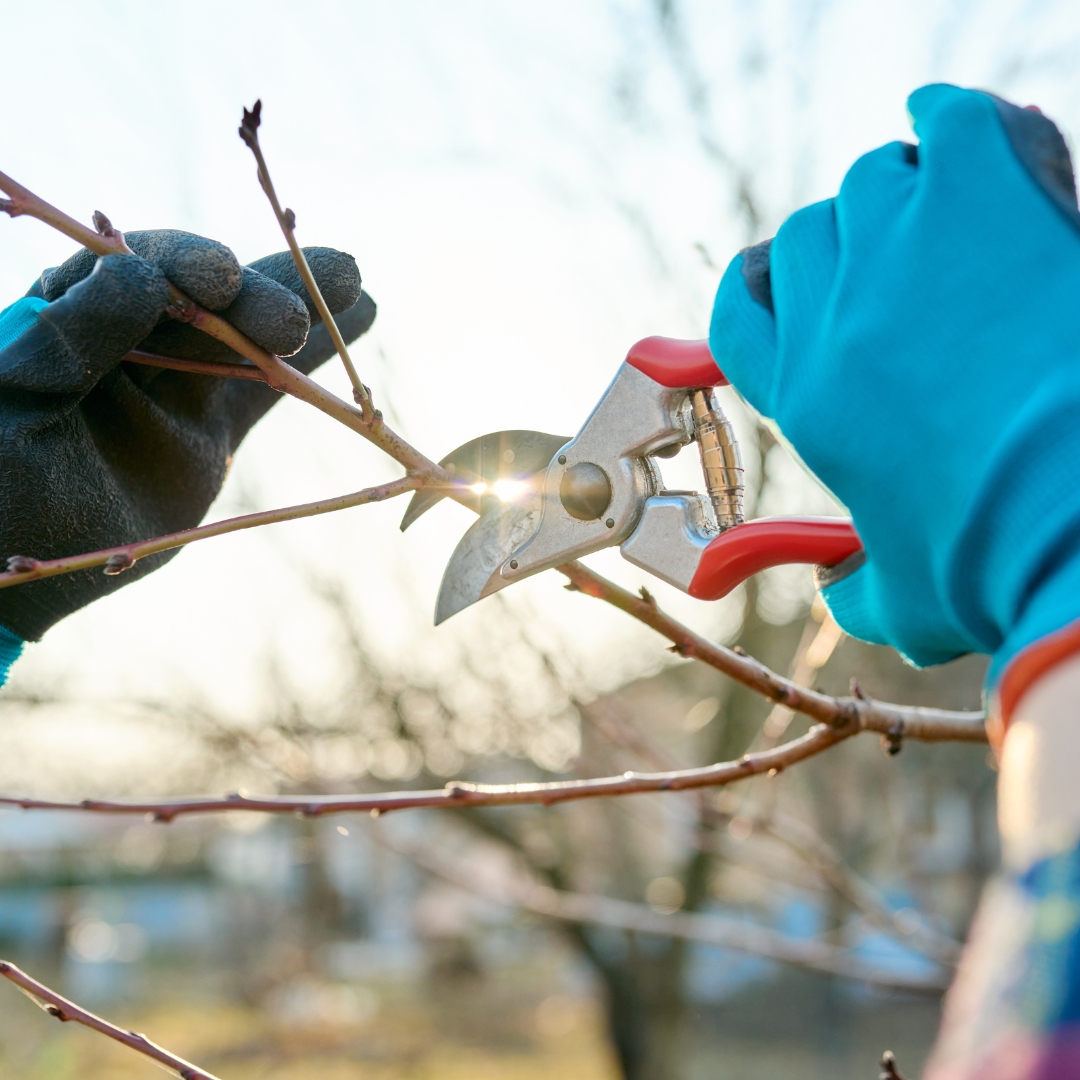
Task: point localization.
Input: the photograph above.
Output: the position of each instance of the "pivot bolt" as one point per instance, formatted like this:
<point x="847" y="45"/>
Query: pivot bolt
<point x="585" y="491"/>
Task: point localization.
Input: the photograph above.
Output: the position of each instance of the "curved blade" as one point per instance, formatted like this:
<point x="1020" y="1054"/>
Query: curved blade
<point x="500" y="455"/>
<point x="473" y="570"/>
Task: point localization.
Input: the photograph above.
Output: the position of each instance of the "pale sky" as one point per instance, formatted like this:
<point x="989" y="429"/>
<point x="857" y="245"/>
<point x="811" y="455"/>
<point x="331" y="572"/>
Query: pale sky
<point x="523" y="186"/>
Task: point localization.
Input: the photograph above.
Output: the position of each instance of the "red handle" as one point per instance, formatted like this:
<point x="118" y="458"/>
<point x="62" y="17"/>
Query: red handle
<point x="678" y="365"/>
<point x="748" y="549"/>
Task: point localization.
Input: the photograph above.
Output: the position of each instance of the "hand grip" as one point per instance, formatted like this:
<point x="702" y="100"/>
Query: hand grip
<point x="748" y="549"/>
<point x="678" y="365"/>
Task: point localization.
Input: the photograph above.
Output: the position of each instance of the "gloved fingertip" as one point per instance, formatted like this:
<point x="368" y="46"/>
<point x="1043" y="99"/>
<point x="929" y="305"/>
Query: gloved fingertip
<point x="205" y="269"/>
<point x="271" y="314"/>
<point x="336" y="273"/>
<point x="56" y="282"/>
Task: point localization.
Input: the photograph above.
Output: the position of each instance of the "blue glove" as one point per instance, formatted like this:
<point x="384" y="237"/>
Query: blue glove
<point x="917" y="340"/>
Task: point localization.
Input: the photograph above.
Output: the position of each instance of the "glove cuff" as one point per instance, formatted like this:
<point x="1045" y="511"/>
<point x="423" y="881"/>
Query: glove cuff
<point x="1031" y="664"/>
<point x="17" y="318"/>
<point x="11" y="647"/>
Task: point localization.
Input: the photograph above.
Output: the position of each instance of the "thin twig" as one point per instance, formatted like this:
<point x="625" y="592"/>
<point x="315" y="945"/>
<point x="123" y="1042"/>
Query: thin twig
<point x="22" y="569"/>
<point x="914" y="722"/>
<point x="65" y="1011"/>
<point x="637" y="918"/>
<point x="280" y="375"/>
<point x="199" y="367"/>
<point x="249" y="132"/>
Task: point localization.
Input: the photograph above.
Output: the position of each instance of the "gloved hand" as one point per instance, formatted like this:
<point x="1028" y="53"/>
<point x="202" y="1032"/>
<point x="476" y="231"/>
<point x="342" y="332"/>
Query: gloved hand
<point x="917" y="341"/>
<point x="95" y="452"/>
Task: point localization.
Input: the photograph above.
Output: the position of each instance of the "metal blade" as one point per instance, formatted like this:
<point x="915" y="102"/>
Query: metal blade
<point x="500" y="455"/>
<point x="473" y="570"/>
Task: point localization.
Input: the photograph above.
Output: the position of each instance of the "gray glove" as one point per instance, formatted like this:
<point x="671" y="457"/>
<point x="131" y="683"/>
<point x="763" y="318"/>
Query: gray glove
<point x="96" y="452"/>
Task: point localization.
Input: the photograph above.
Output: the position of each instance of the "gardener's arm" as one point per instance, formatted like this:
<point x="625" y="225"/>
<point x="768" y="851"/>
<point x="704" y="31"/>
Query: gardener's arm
<point x="916" y="340"/>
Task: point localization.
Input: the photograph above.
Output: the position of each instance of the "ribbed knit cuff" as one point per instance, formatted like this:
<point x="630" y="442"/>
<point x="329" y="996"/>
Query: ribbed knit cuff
<point x="17" y="318"/>
<point x="11" y="646"/>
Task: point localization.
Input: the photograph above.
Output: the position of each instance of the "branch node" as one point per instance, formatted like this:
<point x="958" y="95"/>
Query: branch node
<point x="182" y="311"/>
<point x="118" y="563"/>
<point x="680" y="649"/>
<point x="7" y="206"/>
<point x="892" y="742"/>
<point x="647" y="597"/>
<point x="857" y="691"/>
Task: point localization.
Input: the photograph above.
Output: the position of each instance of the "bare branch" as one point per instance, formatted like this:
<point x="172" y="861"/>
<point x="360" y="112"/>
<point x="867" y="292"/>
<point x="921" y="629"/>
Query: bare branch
<point x="637" y="918"/>
<point x="249" y="132"/>
<point x="23" y="201"/>
<point x="459" y="794"/>
<point x="888" y="720"/>
<point x="280" y="375"/>
<point x="116" y="560"/>
<point x="65" y="1011"/>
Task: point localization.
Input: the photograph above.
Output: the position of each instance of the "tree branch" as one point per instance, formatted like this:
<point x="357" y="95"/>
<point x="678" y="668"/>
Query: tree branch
<point x="460" y="793"/>
<point x="893" y="722"/>
<point x="116" y="560"/>
<point x="249" y="132"/>
<point x="637" y="918"/>
<point x="280" y="375"/>
<point x="65" y="1011"/>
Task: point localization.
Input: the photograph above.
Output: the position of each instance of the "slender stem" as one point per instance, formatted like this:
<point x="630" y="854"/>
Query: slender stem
<point x="65" y="1010"/>
<point x="21" y="200"/>
<point x="118" y="559"/>
<point x="895" y="722"/>
<point x="458" y="794"/>
<point x="199" y="367"/>
<point x="249" y="132"/>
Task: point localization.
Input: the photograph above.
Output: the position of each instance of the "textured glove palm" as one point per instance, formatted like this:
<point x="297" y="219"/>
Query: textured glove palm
<point x="917" y="341"/>
<point x="97" y="452"/>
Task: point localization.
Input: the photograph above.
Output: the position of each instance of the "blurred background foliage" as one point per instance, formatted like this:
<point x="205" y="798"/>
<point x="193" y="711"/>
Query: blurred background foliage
<point x="659" y="137"/>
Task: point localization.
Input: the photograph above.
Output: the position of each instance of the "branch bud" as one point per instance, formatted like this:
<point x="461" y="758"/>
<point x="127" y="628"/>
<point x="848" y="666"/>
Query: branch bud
<point x="249" y="126"/>
<point x="21" y="564"/>
<point x="118" y="563"/>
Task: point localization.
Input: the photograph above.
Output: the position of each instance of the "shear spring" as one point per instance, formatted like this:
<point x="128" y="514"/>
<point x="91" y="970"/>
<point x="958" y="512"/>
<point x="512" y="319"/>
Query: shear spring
<point x="721" y="461"/>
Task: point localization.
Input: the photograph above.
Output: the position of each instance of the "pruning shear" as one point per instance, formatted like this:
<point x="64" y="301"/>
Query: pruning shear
<point x="546" y="499"/>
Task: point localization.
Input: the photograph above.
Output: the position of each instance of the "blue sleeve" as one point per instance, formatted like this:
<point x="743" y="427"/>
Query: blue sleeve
<point x="16" y="319"/>
<point x="11" y="647"/>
